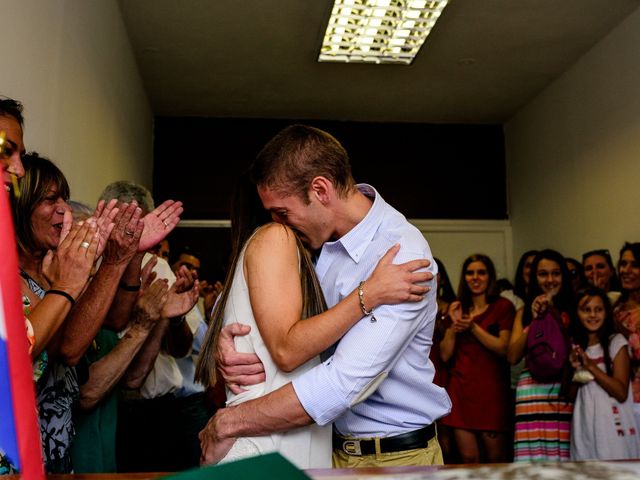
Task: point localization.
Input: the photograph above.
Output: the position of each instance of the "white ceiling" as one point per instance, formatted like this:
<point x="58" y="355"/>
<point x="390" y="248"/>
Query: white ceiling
<point x="257" y="58"/>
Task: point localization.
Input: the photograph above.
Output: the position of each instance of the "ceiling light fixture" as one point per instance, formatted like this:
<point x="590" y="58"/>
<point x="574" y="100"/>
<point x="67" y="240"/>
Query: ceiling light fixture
<point x="378" y="31"/>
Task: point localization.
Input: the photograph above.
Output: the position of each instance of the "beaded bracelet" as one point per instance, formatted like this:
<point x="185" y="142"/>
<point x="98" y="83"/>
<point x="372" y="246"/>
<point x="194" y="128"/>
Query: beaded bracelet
<point x="362" y="307"/>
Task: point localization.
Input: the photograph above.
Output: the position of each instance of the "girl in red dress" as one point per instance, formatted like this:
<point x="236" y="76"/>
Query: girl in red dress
<point x="476" y="342"/>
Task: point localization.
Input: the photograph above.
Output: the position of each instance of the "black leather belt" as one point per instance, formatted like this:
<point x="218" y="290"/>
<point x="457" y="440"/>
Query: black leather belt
<point x="397" y="443"/>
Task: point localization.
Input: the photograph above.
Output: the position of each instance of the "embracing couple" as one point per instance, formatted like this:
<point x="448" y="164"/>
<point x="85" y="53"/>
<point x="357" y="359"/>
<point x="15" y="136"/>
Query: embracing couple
<point x="361" y="364"/>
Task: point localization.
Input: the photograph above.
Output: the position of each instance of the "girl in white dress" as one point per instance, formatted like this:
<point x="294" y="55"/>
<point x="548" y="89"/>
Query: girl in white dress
<point x="603" y="426"/>
<point x="271" y="286"/>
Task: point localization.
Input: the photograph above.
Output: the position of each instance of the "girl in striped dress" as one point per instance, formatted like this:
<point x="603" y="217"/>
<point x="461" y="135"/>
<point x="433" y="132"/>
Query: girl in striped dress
<point x="543" y="413"/>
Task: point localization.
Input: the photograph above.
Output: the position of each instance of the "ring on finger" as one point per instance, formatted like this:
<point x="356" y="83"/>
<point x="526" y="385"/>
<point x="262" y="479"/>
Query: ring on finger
<point x="84" y="245"/>
<point x="165" y="223"/>
<point x="128" y="232"/>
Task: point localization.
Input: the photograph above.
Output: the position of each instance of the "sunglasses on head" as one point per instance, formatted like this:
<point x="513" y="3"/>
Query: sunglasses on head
<point x="602" y="252"/>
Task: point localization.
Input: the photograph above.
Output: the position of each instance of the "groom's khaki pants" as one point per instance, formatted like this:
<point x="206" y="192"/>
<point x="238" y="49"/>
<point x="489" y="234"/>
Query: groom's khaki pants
<point x="430" y="455"/>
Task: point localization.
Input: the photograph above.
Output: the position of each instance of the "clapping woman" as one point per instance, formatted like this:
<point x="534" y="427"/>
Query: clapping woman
<point x="476" y="344"/>
<point x="50" y="287"/>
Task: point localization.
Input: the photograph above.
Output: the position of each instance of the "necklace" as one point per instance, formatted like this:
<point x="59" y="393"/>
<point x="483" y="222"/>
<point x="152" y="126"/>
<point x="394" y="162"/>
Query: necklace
<point x="34" y="286"/>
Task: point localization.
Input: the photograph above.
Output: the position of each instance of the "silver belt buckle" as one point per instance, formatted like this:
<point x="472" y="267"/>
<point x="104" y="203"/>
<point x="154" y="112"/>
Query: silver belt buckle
<point x="352" y="447"/>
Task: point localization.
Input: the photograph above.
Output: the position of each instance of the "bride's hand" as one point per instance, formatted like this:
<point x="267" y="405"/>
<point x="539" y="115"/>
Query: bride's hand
<point x="397" y="283"/>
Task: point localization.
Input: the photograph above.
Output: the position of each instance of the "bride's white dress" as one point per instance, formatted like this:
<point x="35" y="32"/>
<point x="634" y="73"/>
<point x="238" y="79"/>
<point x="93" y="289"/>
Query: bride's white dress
<point x="306" y="447"/>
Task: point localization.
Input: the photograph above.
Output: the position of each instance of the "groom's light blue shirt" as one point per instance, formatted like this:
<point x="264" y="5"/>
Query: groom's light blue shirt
<point x="378" y="381"/>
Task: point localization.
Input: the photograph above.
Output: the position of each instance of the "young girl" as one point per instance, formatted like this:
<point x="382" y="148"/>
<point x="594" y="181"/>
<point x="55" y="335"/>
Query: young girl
<point x="603" y="425"/>
<point x="542" y="414"/>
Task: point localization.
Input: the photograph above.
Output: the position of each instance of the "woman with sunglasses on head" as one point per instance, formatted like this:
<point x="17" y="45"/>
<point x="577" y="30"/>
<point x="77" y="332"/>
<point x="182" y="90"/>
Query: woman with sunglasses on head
<point x="600" y="272"/>
<point x="476" y="344"/>
<point x="542" y="410"/>
<point x="50" y="287"/>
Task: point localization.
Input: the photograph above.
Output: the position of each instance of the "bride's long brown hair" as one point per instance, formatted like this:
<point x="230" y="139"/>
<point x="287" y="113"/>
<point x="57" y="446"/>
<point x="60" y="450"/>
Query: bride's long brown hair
<point x="247" y="214"/>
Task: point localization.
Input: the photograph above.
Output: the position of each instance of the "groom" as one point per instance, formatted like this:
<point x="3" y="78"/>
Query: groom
<point x="377" y="385"/>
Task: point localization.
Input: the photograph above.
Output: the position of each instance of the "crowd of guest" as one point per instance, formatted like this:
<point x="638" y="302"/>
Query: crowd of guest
<point x="112" y="328"/>
<point x="487" y="339"/>
<point x="115" y="324"/>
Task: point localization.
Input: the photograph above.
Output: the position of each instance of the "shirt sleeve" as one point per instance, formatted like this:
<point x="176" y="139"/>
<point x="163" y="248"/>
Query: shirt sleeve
<point x="364" y="357"/>
<point x="617" y="342"/>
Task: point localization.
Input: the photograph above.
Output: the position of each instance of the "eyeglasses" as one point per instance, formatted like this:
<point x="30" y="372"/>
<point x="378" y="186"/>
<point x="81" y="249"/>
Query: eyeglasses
<point x="602" y="252"/>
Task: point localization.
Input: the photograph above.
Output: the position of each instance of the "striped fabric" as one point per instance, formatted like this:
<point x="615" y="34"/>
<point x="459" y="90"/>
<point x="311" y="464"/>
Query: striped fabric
<point x="543" y="421"/>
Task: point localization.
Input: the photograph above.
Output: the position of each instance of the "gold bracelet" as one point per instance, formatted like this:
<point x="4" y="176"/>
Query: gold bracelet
<point x="362" y="307"/>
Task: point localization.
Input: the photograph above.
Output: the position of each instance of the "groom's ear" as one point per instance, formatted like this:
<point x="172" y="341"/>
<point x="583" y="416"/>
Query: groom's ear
<point x="322" y="189"/>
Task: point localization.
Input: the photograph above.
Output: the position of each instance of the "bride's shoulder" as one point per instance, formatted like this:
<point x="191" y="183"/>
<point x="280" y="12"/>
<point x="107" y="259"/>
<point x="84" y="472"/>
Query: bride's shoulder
<point x="272" y="237"/>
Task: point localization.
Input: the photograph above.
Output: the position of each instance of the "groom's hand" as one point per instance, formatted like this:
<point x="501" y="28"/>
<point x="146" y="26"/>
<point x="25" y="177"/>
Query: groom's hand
<point x="213" y="448"/>
<point x="237" y="369"/>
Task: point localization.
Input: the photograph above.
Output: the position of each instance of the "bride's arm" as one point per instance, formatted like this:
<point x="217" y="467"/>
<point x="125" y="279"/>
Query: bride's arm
<point x="273" y="278"/>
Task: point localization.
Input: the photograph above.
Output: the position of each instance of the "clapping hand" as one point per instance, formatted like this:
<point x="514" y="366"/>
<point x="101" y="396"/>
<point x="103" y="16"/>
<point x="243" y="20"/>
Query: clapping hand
<point x="183" y="294"/>
<point x="123" y="242"/>
<point x="459" y="321"/>
<point x="148" y="309"/>
<point x="159" y="223"/>
<point x="147" y="275"/>
<point x="68" y="268"/>
<point x="104" y="216"/>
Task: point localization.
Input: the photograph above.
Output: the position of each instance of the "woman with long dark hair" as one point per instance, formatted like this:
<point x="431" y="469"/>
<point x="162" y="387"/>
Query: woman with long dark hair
<point x="476" y="344"/>
<point x="542" y="413"/>
<point x="523" y="273"/>
<point x="445" y="296"/>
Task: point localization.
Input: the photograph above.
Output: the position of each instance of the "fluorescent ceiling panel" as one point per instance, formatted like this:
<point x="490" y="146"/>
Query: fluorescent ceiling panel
<point x="378" y="31"/>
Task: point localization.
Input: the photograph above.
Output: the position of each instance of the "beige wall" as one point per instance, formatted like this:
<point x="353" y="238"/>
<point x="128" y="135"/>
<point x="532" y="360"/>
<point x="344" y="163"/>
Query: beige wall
<point x="573" y="153"/>
<point x="71" y="64"/>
